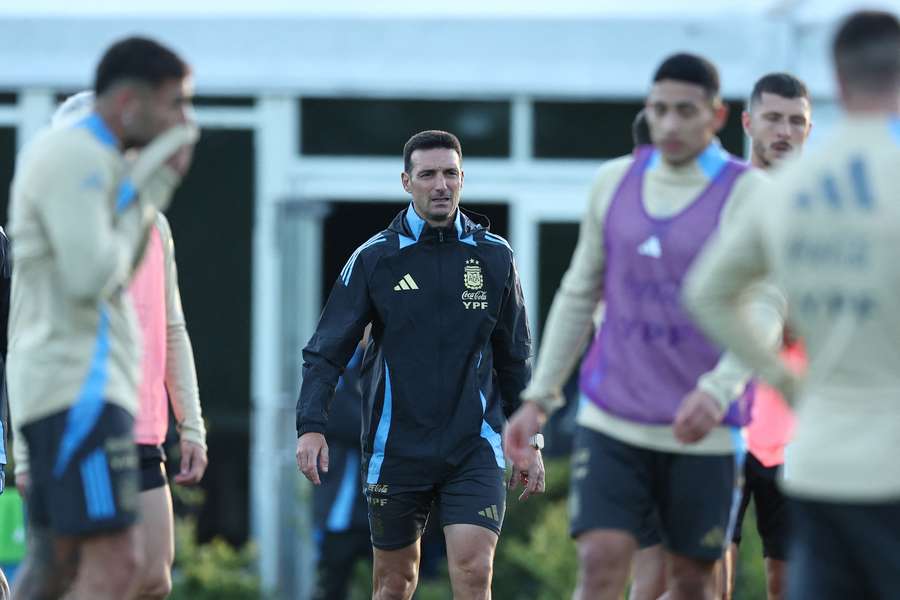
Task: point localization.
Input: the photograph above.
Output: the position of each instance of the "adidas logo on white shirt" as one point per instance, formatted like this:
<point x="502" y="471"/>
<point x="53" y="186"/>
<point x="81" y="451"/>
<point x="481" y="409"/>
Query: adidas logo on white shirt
<point x="407" y="283"/>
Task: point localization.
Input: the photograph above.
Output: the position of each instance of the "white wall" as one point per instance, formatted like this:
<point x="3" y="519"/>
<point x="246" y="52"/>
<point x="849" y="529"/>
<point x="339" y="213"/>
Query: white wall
<point x="460" y="57"/>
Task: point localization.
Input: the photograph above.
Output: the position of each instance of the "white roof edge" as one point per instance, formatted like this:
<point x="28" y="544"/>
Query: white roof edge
<point x="385" y="8"/>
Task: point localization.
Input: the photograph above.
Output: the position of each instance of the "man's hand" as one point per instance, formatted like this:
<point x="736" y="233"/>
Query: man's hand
<point x="698" y="414"/>
<point x="182" y="159"/>
<point x="193" y="463"/>
<point x="532" y="478"/>
<point x="23" y="480"/>
<point x="312" y="452"/>
<point x="789" y="383"/>
<point x="524" y="423"/>
<point x="790" y="387"/>
<point x="165" y="149"/>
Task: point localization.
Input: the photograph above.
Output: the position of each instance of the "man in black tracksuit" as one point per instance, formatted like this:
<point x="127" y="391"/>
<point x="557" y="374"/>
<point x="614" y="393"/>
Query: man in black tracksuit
<point x="448" y="355"/>
<point x="339" y="506"/>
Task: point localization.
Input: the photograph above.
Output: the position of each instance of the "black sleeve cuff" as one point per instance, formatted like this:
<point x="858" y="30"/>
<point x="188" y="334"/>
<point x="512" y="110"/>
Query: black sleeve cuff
<point x="310" y="427"/>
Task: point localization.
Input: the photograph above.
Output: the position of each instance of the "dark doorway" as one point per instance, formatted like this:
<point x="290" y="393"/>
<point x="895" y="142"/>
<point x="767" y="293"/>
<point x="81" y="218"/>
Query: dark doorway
<point x="212" y="222"/>
<point x="7" y="164"/>
<point x="556" y="244"/>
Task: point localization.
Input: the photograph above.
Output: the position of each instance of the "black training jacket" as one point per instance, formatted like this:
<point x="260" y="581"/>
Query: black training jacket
<point x="449" y="351"/>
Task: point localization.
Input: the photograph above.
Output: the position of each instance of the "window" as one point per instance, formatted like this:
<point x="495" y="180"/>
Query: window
<point x="556" y="245"/>
<point x="225" y="101"/>
<point x="573" y="130"/>
<point x="732" y="135"/>
<point x="368" y="127"/>
<point x="583" y="129"/>
<point x="7" y="162"/>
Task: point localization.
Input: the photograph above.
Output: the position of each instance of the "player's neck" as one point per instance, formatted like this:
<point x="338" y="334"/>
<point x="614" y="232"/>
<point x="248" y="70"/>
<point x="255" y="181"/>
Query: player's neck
<point x="444" y="223"/>
<point x="686" y="164"/>
<point x="111" y="120"/>
<point x="680" y="165"/>
<point x="436" y="224"/>
<point x="759" y="162"/>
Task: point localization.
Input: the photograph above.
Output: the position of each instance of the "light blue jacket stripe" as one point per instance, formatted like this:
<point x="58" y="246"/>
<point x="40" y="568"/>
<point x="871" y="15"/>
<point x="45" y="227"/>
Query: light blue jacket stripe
<point x="127" y="195"/>
<point x="496" y="239"/>
<point x="381" y="434"/>
<point x="493" y="438"/>
<point x="347" y="271"/>
<point x="83" y="415"/>
<point x="94" y="123"/>
<point x="342" y="509"/>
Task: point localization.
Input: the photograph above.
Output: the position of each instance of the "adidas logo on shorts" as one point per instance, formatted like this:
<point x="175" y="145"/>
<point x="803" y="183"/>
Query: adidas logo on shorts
<point x="490" y="513"/>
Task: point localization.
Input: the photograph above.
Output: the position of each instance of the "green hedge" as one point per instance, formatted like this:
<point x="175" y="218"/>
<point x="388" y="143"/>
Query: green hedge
<point x="213" y="571"/>
<point x="536" y="558"/>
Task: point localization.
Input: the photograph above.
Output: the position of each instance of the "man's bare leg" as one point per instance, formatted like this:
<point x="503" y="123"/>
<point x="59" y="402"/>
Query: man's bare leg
<point x="689" y="578"/>
<point x="108" y="566"/>
<point x="49" y="567"/>
<point x="648" y="574"/>
<point x="157" y="537"/>
<point x="470" y="556"/>
<point x="776" y="575"/>
<point x="395" y="573"/>
<point x="604" y="559"/>
<point x="730" y="570"/>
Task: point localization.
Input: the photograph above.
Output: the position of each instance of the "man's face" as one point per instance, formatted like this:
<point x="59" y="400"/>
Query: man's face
<point x="683" y="120"/>
<point x="435" y="181"/>
<point x="152" y="111"/>
<point x="778" y="127"/>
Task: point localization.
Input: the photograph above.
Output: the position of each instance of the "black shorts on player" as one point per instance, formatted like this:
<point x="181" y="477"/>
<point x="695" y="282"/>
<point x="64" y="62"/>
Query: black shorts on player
<point x="472" y="492"/>
<point x="843" y="550"/>
<point x="83" y="484"/>
<point x="152" y="460"/>
<point x="772" y="512"/>
<point x="619" y="486"/>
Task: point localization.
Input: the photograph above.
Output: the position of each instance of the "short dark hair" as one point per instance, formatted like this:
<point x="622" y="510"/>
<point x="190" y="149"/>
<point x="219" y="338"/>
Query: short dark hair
<point x="690" y="68"/>
<point x="640" y="129"/>
<point x="426" y="140"/>
<point x="867" y="51"/>
<point x="780" y="84"/>
<point x="138" y="59"/>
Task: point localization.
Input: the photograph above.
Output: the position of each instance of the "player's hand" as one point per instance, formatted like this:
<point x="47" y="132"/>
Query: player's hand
<point x="790" y="387"/>
<point x="524" y="423"/>
<point x="312" y="454"/>
<point x="174" y="148"/>
<point x="182" y="159"/>
<point x="23" y="481"/>
<point x="532" y="478"/>
<point x="698" y="414"/>
<point x="193" y="463"/>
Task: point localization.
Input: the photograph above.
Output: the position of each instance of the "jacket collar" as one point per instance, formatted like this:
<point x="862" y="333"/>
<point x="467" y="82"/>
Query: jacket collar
<point x="409" y="224"/>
